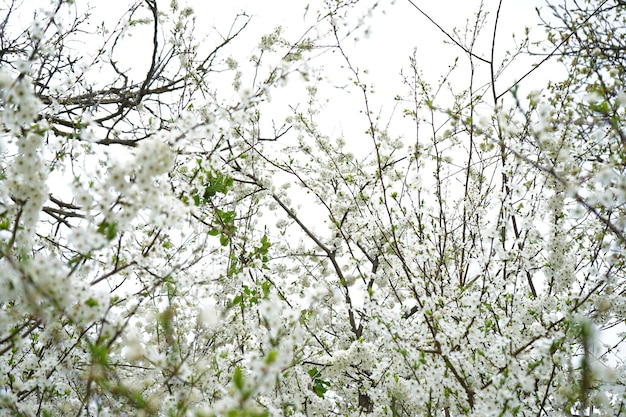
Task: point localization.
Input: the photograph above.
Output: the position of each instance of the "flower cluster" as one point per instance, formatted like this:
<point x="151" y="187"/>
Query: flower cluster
<point x="26" y="173"/>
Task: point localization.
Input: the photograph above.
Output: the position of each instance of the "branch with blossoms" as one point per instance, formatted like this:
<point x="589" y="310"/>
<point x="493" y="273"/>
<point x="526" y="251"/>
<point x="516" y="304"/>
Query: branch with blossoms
<point x="121" y="210"/>
<point x="175" y="239"/>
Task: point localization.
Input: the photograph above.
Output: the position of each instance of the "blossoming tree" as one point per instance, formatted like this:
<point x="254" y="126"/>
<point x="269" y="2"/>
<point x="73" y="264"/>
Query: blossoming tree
<point x="168" y="247"/>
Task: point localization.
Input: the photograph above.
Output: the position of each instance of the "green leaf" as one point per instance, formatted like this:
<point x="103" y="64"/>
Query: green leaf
<point x="319" y="385"/>
<point x="271" y="357"/>
<point x="225" y="217"/>
<point x="108" y="229"/>
<point x="265" y="245"/>
<point x="100" y="353"/>
<point x="602" y="108"/>
<point x="238" y="380"/>
<point x="212" y="184"/>
<point x="266" y="286"/>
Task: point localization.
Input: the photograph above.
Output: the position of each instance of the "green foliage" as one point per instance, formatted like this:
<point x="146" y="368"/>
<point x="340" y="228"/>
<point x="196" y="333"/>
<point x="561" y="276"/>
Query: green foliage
<point x="217" y="183"/>
<point x="250" y="296"/>
<point x="320" y="386"/>
<point x="260" y="252"/>
<point x="99" y="353"/>
<point x="226" y="226"/>
<point x="602" y="107"/>
<point x="108" y="229"/>
<point x="238" y="379"/>
<point x="5" y="221"/>
<point x="212" y="183"/>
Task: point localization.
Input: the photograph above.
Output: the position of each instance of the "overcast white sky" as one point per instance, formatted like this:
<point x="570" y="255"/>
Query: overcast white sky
<point x="396" y="28"/>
